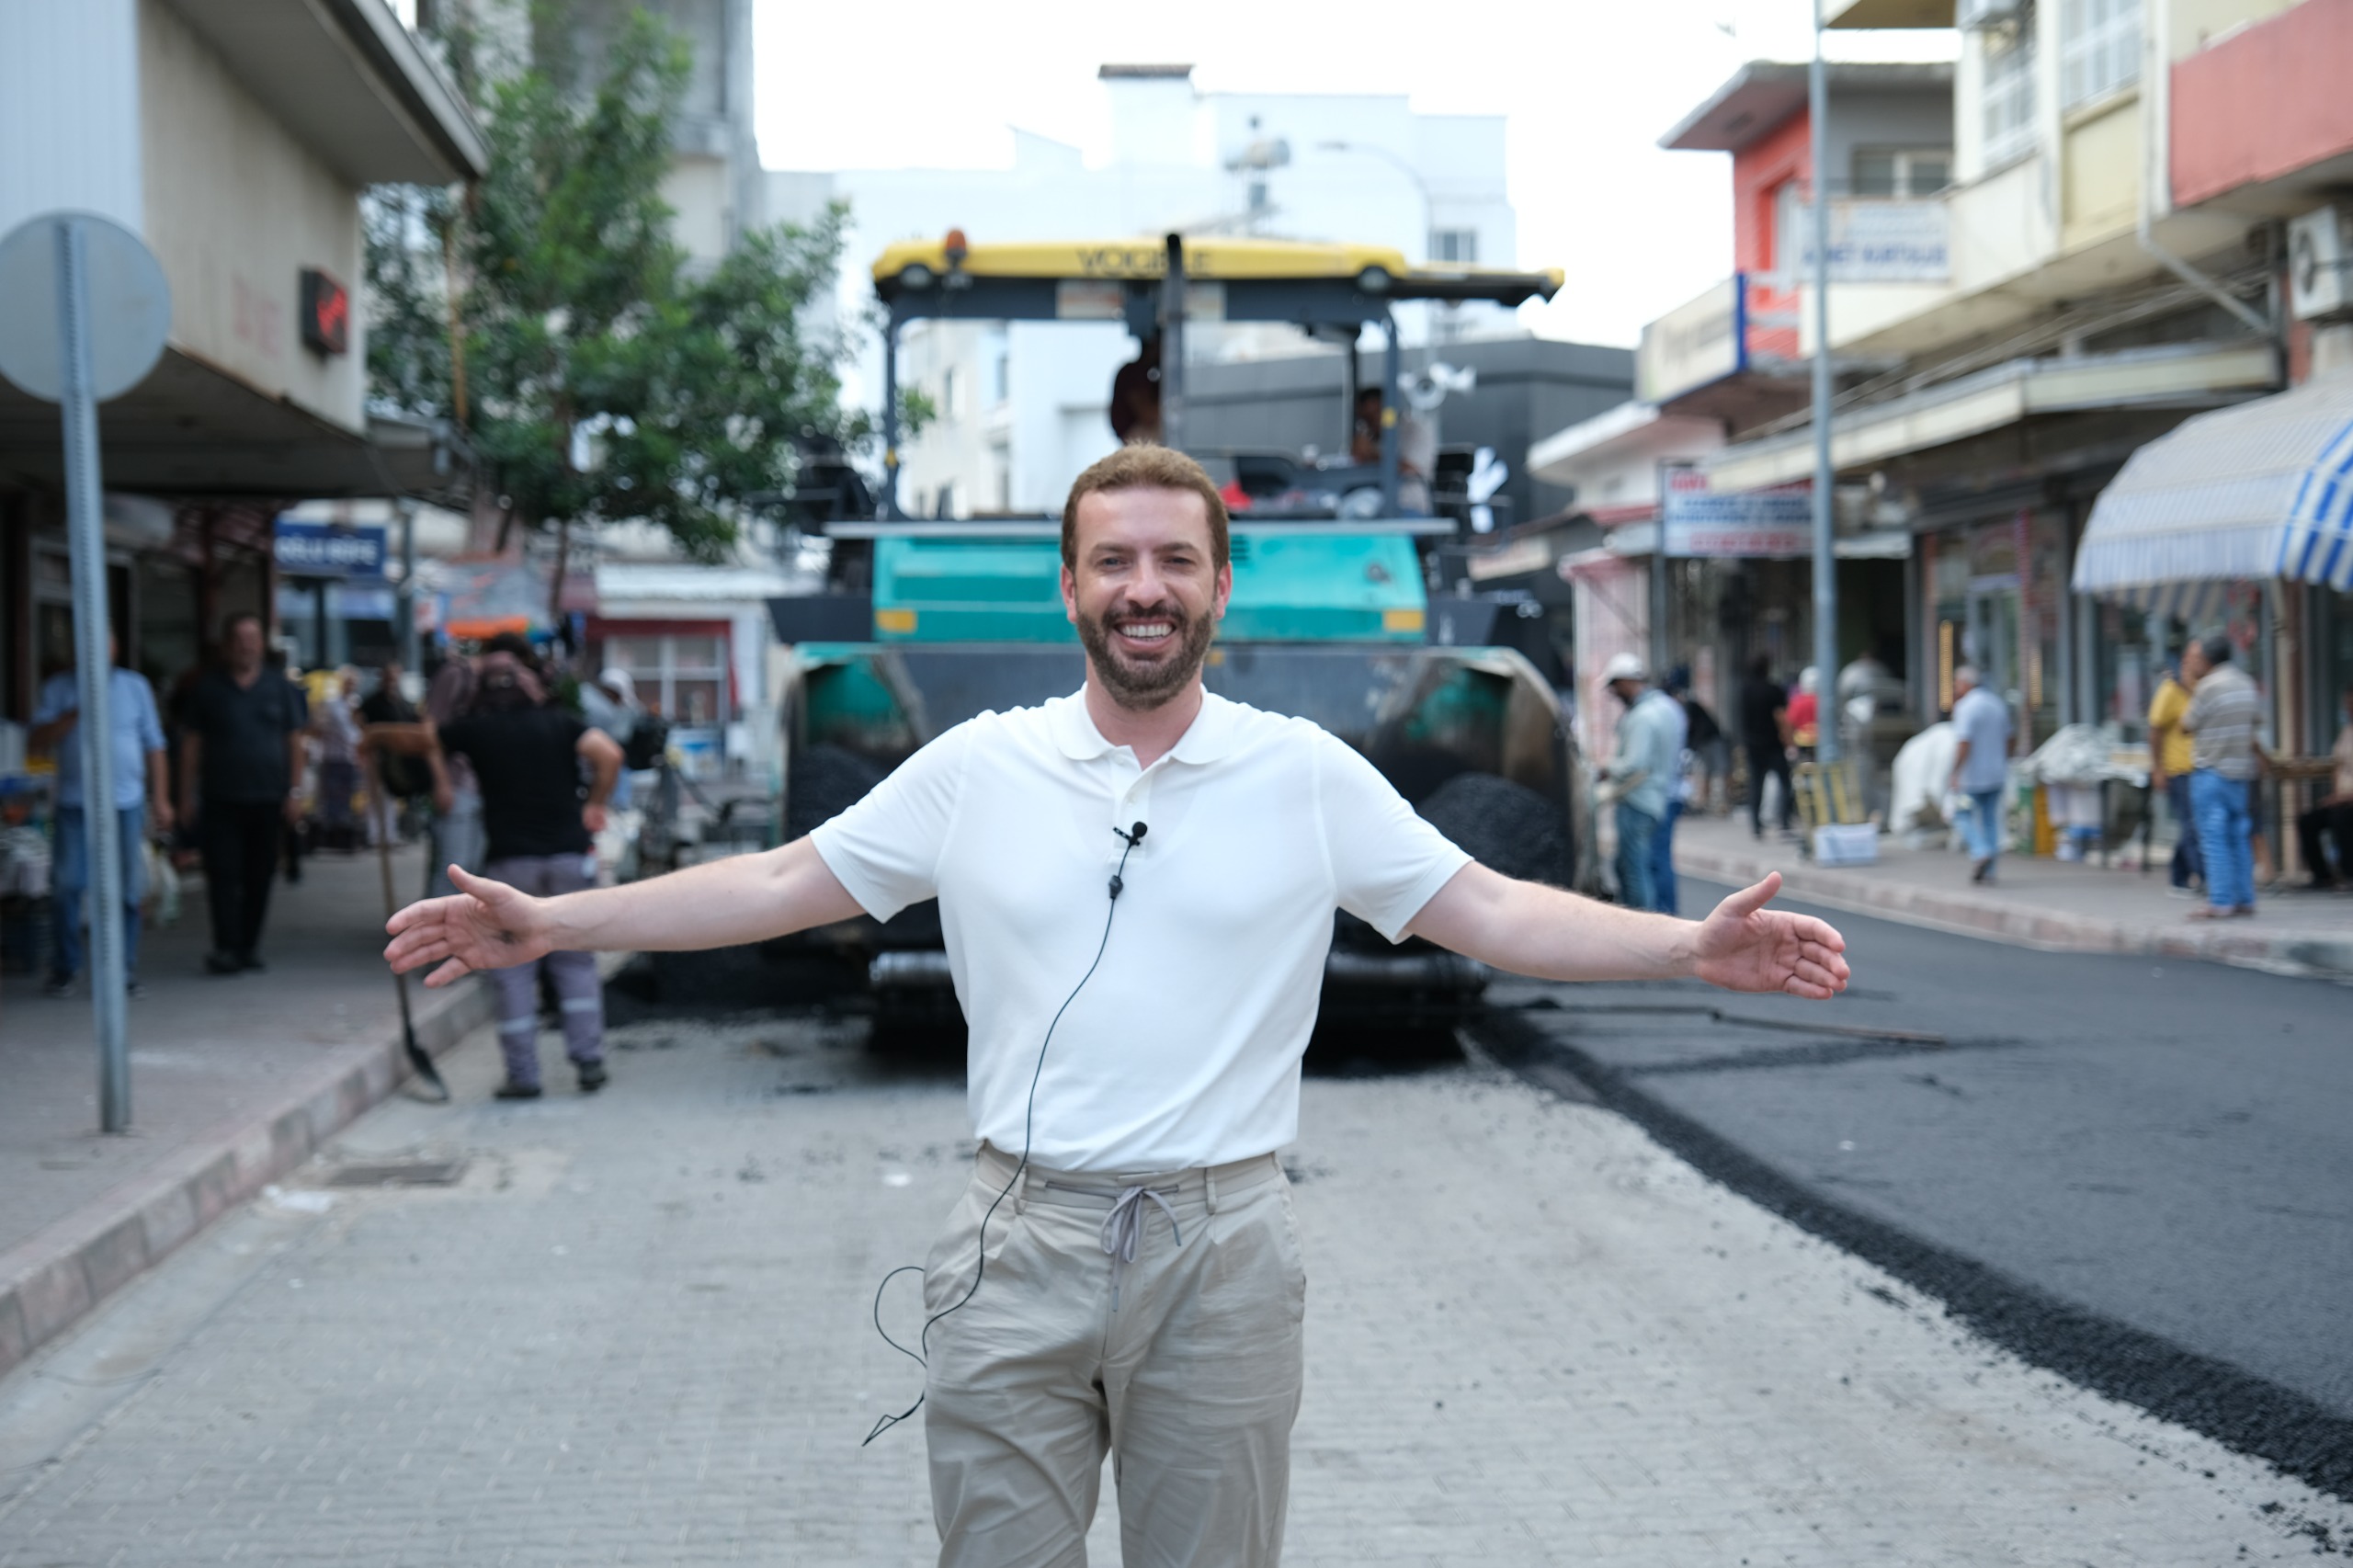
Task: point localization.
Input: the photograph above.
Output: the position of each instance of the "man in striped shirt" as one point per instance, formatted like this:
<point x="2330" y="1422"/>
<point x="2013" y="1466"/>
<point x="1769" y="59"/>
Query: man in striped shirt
<point x="2223" y="710"/>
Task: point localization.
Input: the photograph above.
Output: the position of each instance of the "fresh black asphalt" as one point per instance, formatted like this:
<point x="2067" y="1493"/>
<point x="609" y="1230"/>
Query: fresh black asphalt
<point x="2138" y="1173"/>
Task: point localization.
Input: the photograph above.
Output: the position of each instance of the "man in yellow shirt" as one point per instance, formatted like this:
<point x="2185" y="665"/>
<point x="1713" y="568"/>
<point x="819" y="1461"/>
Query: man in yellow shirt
<point x="2170" y="762"/>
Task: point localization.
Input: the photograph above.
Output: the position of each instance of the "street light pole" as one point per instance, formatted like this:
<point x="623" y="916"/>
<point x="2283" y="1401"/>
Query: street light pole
<point x="1826" y="563"/>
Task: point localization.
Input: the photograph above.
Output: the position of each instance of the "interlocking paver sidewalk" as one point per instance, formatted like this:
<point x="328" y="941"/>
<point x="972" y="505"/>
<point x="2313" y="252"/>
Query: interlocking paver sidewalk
<point x="234" y="1081"/>
<point x="2072" y="906"/>
<point x="637" y="1332"/>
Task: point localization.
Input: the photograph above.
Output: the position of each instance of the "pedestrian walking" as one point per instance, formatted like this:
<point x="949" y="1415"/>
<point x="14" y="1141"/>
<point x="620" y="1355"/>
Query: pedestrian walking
<point x="1640" y="775"/>
<point x="292" y="844"/>
<point x="1981" y="767"/>
<point x="1664" y="898"/>
<point x="1805" y="712"/>
<point x="455" y="832"/>
<point x="335" y="728"/>
<point x="1764" y="740"/>
<point x="2223" y="709"/>
<point x="610" y="704"/>
<point x="526" y="752"/>
<point x="2169" y="767"/>
<point x="2331" y="817"/>
<point x="1705" y="739"/>
<point x="241" y="771"/>
<point x="1137" y="884"/>
<point x="1866" y="690"/>
<point x="393" y="778"/>
<point x="141" y="795"/>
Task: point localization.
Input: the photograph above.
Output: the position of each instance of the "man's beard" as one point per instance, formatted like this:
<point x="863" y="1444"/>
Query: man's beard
<point x="1146" y="687"/>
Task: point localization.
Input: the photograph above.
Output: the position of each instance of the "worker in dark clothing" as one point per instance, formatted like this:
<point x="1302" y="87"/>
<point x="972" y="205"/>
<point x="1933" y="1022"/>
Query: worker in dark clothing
<point x="1765" y="737"/>
<point x="526" y="753"/>
<point x="240" y="766"/>
<point x="1702" y="736"/>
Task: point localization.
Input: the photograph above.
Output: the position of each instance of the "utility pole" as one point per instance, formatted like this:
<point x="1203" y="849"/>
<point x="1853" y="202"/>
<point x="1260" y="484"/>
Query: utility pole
<point x="1825" y="560"/>
<point x="407" y="511"/>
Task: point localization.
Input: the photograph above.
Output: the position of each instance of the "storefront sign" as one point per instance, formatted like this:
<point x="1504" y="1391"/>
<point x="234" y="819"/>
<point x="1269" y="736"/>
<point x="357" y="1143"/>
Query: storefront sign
<point x="1881" y="241"/>
<point x="1692" y="345"/>
<point x="1744" y="523"/>
<point x="1746" y="322"/>
<point x="329" y="550"/>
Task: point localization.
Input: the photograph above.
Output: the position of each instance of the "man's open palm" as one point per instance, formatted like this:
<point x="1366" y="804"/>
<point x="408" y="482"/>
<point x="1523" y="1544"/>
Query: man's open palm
<point x="485" y="924"/>
<point x="1744" y="946"/>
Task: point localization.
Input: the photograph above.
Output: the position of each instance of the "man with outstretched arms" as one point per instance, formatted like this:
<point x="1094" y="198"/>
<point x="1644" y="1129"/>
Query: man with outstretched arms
<point x="1122" y="1274"/>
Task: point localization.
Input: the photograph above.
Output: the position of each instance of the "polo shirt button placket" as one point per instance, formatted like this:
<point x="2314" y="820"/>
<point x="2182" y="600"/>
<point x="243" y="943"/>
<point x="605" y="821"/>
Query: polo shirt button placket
<point x="1135" y="806"/>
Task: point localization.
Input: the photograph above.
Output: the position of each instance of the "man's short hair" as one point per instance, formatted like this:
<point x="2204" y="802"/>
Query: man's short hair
<point x="1146" y="467"/>
<point x="513" y="643"/>
<point x="230" y="623"/>
<point x="1967" y="676"/>
<point x="2217" y="649"/>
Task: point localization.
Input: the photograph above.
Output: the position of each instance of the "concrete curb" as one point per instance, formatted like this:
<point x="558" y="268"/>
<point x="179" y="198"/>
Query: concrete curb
<point x="2305" y="953"/>
<point x="64" y="1272"/>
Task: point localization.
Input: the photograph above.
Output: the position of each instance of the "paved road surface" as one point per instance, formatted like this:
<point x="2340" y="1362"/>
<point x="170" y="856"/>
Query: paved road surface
<point x="635" y="1332"/>
<point x="2160" y="1145"/>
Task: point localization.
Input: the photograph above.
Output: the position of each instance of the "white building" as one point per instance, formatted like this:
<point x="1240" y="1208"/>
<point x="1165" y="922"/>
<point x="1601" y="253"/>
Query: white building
<point x="1022" y="407"/>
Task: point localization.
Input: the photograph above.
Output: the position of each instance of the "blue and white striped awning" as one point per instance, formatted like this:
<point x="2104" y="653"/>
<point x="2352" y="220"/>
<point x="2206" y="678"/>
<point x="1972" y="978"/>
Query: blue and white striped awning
<point x="2260" y="491"/>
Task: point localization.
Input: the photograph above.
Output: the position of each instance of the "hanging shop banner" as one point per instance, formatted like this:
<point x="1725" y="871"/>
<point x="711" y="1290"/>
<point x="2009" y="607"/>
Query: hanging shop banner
<point x="1741" y="524"/>
<point x="1880" y="240"/>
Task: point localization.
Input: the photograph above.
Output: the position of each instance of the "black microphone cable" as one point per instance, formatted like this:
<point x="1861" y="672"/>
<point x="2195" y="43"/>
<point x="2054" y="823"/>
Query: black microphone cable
<point x="921" y="1354"/>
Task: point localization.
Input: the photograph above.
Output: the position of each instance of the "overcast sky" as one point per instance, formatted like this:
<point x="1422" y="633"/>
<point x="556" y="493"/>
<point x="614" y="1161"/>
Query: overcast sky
<point x="1588" y="88"/>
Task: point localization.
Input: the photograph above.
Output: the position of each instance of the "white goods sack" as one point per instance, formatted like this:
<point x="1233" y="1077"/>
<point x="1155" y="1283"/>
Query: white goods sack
<point x="1922" y="774"/>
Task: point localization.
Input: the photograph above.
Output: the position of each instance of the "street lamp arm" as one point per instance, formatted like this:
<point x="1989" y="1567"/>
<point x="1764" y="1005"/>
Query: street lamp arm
<point x="1393" y="160"/>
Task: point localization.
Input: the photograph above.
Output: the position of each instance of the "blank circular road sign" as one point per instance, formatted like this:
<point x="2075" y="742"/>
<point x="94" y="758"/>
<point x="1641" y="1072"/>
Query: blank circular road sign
<point x="130" y="305"/>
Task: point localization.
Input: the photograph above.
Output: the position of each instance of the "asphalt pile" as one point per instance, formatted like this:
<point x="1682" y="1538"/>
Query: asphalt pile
<point x="1504" y="826"/>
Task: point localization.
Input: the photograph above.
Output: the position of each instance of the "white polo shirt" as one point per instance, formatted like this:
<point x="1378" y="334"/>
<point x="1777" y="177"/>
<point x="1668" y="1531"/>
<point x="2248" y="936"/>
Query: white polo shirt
<point x="1184" y="1049"/>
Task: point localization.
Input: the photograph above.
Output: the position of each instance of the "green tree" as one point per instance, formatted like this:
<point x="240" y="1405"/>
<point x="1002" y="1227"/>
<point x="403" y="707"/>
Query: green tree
<point x="595" y="376"/>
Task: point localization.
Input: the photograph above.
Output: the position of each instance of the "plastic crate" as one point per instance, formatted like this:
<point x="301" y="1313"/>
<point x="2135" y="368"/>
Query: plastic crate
<point x="1845" y="844"/>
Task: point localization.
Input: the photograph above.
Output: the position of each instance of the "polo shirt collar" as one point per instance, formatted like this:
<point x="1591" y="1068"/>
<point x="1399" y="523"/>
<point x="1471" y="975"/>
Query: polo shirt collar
<point x="1207" y="739"/>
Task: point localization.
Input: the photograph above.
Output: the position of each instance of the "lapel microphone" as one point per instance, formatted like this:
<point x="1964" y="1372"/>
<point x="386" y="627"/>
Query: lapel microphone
<point x="1134" y="836"/>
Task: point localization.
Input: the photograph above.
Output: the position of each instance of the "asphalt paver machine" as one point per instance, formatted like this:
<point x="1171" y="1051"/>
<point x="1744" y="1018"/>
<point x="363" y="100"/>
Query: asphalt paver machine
<point x="927" y="623"/>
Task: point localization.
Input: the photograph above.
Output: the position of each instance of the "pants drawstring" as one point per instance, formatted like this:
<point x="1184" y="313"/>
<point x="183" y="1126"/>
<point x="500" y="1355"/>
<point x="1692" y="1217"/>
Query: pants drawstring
<point x="1123" y="1228"/>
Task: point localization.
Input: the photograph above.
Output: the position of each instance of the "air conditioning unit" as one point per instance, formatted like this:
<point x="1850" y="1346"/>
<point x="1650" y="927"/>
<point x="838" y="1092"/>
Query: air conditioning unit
<point x="2320" y="264"/>
<point x="1977" y="15"/>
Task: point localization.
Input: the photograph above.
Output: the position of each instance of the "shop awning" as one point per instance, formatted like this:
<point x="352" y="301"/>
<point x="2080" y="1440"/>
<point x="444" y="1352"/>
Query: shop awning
<point x="2262" y="490"/>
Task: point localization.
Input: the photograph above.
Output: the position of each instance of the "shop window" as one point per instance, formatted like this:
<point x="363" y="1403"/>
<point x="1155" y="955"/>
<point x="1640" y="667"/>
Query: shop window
<point x="2007" y="100"/>
<point x="1902" y="172"/>
<point x="682" y="676"/>
<point x="2101" y="48"/>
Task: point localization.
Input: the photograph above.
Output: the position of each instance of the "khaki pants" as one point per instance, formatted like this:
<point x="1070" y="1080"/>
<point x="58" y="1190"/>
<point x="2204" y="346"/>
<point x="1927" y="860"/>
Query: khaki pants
<point x="1183" y="1364"/>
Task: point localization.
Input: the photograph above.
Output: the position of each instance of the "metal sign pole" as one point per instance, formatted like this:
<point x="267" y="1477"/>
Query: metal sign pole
<point x="85" y="529"/>
<point x="1825" y="558"/>
<point x="1171" y="345"/>
<point x="85" y="312"/>
<point x="1658" y="644"/>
